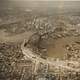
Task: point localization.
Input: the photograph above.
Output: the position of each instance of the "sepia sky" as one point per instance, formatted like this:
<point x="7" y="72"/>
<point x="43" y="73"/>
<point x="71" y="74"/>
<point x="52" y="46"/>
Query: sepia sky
<point x="44" y="0"/>
<point x="35" y="3"/>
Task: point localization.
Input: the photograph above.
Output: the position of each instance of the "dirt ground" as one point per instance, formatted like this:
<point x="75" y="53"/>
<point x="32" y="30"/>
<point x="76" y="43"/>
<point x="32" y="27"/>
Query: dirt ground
<point x="58" y="47"/>
<point x="15" y="38"/>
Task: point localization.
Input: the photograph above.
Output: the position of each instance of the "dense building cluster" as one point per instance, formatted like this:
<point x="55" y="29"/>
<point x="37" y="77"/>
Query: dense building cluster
<point x="13" y="65"/>
<point x="18" y="21"/>
<point x="73" y="51"/>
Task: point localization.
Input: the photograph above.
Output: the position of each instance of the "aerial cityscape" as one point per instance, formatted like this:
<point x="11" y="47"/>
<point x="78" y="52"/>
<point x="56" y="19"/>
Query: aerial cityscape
<point x="39" y="40"/>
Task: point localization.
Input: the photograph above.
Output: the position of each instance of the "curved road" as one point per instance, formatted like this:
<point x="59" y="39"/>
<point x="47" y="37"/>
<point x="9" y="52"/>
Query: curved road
<point x="57" y="64"/>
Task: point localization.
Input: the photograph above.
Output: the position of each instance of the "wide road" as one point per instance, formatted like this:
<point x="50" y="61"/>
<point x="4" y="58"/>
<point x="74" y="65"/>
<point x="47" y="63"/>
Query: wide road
<point x="57" y="64"/>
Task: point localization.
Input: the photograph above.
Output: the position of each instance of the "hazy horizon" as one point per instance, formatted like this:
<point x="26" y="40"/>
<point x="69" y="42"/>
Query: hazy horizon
<point x="44" y="6"/>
